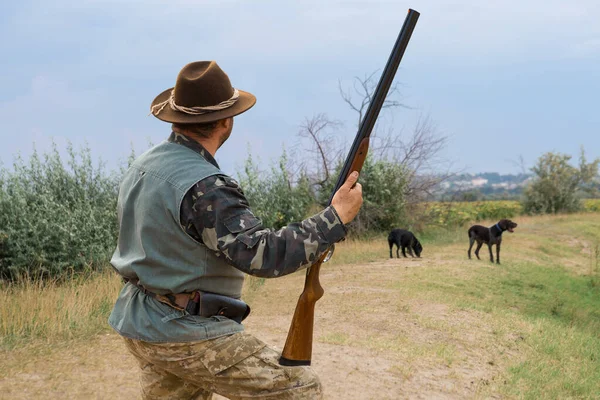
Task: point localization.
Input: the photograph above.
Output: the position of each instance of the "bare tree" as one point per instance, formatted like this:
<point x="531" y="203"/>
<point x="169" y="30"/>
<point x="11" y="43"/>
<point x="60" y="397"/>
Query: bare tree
<point x="364" y="89"/>
<point x="403" y="168"/>
<point x="319" y="130"/>
<point x="421" y="156"/>
<point x="520" y="163"/>
<point x="419" y="153"/>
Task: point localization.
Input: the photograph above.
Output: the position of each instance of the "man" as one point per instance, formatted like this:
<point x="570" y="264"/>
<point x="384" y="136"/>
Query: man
<point x="187" y="237"/>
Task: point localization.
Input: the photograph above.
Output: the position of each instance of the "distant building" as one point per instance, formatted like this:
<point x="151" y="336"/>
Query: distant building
<point x="479" y="182"/>
<point x="486" y="184"/>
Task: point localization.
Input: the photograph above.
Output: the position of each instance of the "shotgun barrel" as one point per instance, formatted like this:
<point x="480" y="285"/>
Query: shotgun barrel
<point x="383" y="87"/>
<point x="298" y="346"/>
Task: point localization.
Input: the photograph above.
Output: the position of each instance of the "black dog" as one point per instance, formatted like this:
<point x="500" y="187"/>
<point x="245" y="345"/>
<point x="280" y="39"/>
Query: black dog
<point x="490" y="236"/>
<point x="406" y="240"/>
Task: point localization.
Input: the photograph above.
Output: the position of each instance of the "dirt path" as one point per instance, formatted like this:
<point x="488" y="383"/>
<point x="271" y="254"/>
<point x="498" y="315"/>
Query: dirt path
<point x="372" y="341"/>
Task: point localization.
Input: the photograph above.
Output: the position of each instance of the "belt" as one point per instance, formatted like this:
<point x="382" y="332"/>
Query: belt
<point x="204" y="304"/>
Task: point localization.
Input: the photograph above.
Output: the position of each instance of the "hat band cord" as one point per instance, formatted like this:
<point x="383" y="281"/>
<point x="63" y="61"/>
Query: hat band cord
<point x="156" y="109"/>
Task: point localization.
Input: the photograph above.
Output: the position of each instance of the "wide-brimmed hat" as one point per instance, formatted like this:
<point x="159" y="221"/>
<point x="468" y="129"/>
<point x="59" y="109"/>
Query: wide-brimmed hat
<point x="202" y="93"/>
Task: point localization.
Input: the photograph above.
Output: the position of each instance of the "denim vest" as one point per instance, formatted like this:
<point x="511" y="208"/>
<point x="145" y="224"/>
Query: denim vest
<point x="154" y="248"/>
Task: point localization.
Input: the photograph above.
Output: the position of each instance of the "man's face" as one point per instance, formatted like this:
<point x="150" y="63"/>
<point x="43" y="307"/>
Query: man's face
<point x="226" y="131"/>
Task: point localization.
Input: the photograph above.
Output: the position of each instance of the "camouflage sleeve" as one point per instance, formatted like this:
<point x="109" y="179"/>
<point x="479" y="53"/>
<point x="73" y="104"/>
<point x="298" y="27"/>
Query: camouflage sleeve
<point x="220" y="215"/>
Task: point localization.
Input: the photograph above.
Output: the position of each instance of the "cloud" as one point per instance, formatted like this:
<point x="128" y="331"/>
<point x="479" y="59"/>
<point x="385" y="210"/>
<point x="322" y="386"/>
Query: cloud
<point x="89" y="68"/>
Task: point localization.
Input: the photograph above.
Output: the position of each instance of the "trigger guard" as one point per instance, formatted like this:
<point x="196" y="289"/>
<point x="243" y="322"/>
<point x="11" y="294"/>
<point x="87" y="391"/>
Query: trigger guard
<point x="329" y="254"/>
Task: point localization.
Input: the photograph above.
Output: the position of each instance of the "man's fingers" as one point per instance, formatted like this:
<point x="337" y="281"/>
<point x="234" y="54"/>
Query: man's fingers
<point x="351" y="180"/>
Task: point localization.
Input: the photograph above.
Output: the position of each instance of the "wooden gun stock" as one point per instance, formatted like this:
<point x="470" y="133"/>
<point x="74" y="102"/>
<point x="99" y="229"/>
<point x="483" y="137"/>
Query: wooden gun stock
<point x="298" y="346"/>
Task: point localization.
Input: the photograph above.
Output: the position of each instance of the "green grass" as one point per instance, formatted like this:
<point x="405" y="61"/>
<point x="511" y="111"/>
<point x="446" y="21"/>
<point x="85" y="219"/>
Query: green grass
<point x="541" y="305"/>
<point x="439" y="236"/>
<point x="524" y="288"/>
<point x="544" y="297"/>
<point x="562" y="362"/>
<point x="555" y="307"/>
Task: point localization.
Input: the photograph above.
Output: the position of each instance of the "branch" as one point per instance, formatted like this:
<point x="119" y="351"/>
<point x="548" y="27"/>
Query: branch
<point x="315" y="129"/>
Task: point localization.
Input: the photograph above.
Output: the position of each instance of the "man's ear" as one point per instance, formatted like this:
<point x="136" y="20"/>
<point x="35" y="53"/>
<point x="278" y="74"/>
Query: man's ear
<point x="222" y="123"/>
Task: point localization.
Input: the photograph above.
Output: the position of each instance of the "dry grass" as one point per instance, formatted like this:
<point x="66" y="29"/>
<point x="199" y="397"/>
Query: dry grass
<point x="32" y="309"/>
<point x="438" y="327"/>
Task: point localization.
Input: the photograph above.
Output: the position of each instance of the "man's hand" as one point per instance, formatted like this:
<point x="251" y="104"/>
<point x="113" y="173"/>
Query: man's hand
<point x="348" y="199"/>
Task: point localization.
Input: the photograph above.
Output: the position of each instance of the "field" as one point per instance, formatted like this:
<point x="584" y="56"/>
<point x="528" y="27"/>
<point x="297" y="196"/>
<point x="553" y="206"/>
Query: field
<point x="459" y="213"/>
<point x="440" y="327"/>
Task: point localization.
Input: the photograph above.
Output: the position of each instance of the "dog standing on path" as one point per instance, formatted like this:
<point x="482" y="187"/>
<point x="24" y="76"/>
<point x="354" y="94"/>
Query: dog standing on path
<point x="490" y="236"/>
<point x="404" y="239"/>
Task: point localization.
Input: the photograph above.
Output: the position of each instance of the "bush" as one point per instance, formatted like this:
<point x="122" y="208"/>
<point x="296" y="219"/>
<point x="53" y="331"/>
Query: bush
<point x="56" y="218"/>
<point x="279" y="200"/>
<point x="384" y="196"/>
<point x="556" y="184"/>
<point x="591" y="205"/>
<point x="274" y="197"/>
<point x="384" y="186"/>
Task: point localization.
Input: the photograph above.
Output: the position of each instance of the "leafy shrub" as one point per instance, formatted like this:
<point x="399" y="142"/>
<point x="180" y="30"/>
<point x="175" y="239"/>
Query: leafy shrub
<point x="279" y="200"/>
<point x="591" y="205"/>
<point x="55" y="218"/>
<point x="274" y="197"/>
<point x="384" y="187"/>
<point x="556" y="184"/>
<point x="384" y="196"/>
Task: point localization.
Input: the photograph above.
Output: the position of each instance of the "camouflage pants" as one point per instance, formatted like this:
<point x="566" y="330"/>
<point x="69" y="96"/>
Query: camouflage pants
<point x="238" y="366"/>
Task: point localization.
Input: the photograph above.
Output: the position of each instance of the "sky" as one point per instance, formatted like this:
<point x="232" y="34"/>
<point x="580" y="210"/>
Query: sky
<point x="500" y="79"/>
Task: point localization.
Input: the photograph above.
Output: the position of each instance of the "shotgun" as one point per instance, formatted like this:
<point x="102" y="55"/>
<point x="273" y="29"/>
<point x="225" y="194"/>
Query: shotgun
<point x="298" y="346"/>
